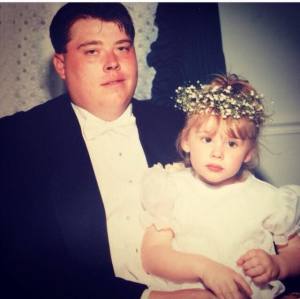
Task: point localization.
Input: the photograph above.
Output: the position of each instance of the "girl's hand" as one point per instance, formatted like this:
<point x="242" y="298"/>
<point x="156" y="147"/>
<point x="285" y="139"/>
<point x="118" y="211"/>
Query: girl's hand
<point x="259" y="265"/>
<point x="225" y="282"/>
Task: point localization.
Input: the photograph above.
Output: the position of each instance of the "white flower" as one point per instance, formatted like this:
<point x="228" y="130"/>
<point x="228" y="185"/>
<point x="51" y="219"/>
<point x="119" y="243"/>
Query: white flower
<point x="202" y="98"/>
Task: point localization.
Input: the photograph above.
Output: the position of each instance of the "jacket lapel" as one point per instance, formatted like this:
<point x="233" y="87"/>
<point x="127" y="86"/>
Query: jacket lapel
<point x="145" y="130"/>
<point x="74" y="190"/>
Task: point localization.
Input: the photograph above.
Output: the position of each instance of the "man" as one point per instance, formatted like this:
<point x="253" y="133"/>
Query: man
<point x="70" y="166"/>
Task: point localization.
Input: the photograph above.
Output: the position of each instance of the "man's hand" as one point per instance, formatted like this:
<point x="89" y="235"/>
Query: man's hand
<point x="183" y="294"/>
<point x="260" y="266"/>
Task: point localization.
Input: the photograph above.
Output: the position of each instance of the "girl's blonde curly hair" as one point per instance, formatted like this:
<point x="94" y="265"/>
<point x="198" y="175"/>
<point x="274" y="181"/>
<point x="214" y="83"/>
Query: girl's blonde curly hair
<point x="243" y="128"/>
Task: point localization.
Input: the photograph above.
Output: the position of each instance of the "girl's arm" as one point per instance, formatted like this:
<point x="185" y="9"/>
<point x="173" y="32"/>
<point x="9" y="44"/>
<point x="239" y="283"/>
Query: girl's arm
<point x="160" y="259"/>
<point x="263" y="267"/>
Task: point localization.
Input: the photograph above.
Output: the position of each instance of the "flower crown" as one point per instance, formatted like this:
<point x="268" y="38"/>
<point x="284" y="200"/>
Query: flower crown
<point x="223" y="101"/>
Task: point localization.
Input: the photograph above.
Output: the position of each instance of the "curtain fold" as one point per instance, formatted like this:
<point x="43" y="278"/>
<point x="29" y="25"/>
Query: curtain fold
<point x="188" y="47"/>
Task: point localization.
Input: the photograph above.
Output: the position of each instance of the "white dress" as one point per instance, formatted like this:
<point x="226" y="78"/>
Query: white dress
<point x="221" y="223"/>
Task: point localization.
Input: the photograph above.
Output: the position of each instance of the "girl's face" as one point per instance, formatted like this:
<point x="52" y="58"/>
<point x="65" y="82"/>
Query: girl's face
<point x="215" y="156"/>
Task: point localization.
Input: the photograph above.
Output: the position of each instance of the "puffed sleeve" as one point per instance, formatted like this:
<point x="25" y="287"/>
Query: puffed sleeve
<point x="158" y="194"/>
<point x="284" y="220"/>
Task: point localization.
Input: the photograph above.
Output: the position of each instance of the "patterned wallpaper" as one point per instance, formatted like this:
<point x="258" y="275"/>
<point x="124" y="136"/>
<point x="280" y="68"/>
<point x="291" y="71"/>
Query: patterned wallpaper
<point x="27" y="77"/>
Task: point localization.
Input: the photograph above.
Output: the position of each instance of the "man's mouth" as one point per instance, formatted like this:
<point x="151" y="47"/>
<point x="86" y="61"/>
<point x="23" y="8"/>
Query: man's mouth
<point x="113" y="82"/>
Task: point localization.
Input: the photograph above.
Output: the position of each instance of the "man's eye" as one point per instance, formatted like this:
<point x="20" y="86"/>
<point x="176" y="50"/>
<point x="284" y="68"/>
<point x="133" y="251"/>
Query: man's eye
<point x="91" y="52"/>
<point x="124" y="48"/>
<point x="206" y="139"/>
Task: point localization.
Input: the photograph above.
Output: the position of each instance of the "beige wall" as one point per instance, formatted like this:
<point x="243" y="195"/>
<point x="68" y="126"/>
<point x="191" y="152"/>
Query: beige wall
<point x="261" y="41"/>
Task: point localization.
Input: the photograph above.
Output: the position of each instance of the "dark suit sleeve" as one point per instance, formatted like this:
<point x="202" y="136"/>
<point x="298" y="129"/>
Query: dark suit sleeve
<point x="35" y="261"/>
<point x="119" y="289"/>
<point x="114" y="288"/>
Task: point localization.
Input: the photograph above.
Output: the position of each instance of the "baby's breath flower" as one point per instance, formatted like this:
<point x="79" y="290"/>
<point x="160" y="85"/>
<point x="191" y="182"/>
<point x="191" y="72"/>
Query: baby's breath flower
<point x="220" y="101"/>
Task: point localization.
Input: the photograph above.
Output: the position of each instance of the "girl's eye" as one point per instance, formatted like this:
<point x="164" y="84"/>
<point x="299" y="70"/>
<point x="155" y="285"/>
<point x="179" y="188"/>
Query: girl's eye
<point x="232" y="144"/>
<point x="206" y="139"/>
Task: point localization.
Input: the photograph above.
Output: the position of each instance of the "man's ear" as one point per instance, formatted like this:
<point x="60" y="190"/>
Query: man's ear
<point x="59" y="65"/>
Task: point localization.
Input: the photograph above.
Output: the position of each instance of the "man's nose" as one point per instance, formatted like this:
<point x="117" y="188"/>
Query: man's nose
<point x="111" y="62"/>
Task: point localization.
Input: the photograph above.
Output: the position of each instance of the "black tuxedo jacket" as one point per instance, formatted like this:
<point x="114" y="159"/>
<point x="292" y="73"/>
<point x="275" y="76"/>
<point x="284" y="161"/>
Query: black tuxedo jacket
<point x="53" y="228"/>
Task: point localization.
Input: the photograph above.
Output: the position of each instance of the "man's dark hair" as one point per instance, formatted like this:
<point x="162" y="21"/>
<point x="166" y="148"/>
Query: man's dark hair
<point x="68" y="14"/>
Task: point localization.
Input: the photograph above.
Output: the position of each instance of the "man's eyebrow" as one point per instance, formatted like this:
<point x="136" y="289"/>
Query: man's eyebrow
<point x="99" y="43"/>
<point x="125" y="40"/>
<point x="89" y="43"/>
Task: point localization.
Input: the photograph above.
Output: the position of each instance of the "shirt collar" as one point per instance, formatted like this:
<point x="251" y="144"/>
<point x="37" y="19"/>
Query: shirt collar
<point x="93" y="126"/>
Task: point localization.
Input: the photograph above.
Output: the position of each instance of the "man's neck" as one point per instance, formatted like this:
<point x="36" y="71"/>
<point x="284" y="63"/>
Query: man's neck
<point x="106" y="114"/>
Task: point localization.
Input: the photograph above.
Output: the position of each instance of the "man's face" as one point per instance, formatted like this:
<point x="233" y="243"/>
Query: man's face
<point x="99" y="67"/>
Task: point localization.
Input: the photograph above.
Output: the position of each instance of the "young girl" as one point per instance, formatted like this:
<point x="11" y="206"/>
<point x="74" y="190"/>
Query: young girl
<point x="209" y="221"/>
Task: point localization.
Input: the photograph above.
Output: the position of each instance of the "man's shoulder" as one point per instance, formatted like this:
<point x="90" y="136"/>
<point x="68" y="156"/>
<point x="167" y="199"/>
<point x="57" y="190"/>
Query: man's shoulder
<point x="36" y="119"/>
<point x="148" y="110"/>
<point x="151" y="106"/>
<point x="37" y="112"/>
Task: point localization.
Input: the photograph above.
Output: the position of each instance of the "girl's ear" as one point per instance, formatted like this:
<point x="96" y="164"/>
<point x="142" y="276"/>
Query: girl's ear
<point x="249" y="155"/>
<point x="59" y="65"/>
<point x="185" y="145"/>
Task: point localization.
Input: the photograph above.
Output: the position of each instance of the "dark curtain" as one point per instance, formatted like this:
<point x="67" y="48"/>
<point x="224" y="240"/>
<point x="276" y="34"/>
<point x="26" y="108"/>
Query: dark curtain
<point x="188" y="47"/>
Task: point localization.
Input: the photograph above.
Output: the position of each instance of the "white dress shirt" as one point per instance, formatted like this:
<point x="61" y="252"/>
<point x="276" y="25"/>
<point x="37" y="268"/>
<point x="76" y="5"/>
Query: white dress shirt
<point x="119" y="162"/>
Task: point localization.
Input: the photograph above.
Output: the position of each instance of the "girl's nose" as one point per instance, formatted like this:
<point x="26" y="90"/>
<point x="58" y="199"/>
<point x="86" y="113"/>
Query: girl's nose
<point x="217" y="151"/>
